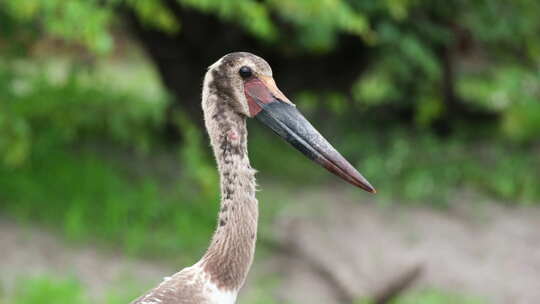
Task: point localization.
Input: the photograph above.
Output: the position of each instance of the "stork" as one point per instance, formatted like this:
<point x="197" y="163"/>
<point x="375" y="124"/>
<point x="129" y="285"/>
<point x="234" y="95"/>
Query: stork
<point x="236" y="87"/>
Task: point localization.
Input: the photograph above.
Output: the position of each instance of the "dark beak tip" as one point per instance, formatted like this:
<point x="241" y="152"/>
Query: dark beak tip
<point x="367" y="188"/>
<point x="362" y="183"/>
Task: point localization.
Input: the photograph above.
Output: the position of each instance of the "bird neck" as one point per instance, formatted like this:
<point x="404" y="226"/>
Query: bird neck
<point x="230" y="254"/>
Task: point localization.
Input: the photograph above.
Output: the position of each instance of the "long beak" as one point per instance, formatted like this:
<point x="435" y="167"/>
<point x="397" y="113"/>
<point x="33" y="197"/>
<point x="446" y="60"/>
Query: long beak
<point x="273" y="109"/>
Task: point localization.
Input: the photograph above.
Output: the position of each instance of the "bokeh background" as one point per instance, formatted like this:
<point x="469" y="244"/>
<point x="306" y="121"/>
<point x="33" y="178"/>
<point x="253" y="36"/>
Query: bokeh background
<point x="107" y="183"/>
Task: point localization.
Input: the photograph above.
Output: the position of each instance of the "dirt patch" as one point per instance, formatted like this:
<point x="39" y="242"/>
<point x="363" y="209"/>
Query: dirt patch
<point x="482" y="249"/>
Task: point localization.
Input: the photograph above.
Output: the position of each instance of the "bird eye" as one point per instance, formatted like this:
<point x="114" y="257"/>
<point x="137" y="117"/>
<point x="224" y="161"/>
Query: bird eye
<point x="245" y="72"/>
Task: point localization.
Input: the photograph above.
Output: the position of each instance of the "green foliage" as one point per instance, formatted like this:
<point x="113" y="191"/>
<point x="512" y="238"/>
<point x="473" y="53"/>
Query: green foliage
<point x="493" y="55"/>
<point x="432" y="297"/>
<point x="253" y="15"/>
<point x="319" y="22"/>
<point x="512" y="90"/>
<point x="153" y="13"/>
<point x="425" y="168"/>
<point x="522" y="121"/>
<point x="412" y="166"/>
<point x="374" y="88"/>
<point x="89" y="22"/>
<point x="436" y="297"/>
<point x="86" y="198"/>
<point x="492" y="46"/>
<point x="41" y="290"/>
<point x="78" y="20"/>
<point x="66" y="290"/>
<point x="198" y="169"/>
<point x="37" y="108"/>
<point x="49" y="129"/>
<point x="261" y="291"/>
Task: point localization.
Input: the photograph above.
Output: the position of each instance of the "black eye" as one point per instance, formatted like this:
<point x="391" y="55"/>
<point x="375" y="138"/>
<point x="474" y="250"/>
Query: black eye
<point x="245" y="72"/>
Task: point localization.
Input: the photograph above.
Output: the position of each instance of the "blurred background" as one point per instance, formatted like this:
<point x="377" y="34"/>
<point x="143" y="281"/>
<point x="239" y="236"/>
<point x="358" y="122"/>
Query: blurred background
<point x="107" y="183"/>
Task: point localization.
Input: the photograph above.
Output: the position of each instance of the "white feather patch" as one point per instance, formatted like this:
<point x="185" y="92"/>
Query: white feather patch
<point x="214" y="294"/>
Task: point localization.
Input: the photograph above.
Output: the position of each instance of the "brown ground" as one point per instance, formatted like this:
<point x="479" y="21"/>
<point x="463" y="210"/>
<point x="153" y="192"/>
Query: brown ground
<point x="486" y="250"/>
<point x="475" y="248"/>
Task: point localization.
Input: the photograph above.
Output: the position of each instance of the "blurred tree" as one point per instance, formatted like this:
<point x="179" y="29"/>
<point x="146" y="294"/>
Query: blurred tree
<point x="204" y="38"/>
<point x="429" y="62"/>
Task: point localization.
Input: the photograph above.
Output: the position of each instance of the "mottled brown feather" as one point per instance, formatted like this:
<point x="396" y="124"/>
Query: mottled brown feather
<point x="225" y="264"/>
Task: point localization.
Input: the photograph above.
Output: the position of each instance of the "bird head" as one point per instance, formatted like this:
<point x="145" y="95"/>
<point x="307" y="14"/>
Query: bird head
<point x="247" y="81"/>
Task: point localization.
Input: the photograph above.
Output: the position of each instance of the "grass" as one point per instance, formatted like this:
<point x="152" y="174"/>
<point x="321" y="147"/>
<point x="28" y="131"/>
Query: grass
<point x="434" y="296"/>
<point x="68" y="290"/>
<point x="85" y="198"/>
<point x="49" y="290"/>
<point x="65" y="290"/>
